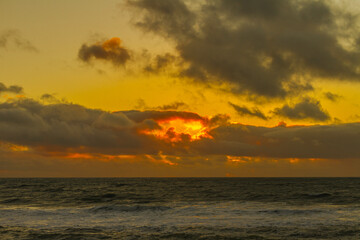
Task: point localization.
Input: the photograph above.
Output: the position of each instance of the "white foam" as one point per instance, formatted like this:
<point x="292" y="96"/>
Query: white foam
<point x="179" y="214"/>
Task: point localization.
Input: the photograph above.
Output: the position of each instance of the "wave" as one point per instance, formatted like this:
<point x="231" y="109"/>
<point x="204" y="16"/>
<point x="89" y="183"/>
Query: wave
<point x="317" y="195"/>
<point x="127" y="208"/>
<point x="120" y="184"/>
<point x="292" y="211"/>
<point x="183" y="232"/>
<point x="109" y="195"/>
<point x="55" y="190"/>
<point x="14" y="200"/>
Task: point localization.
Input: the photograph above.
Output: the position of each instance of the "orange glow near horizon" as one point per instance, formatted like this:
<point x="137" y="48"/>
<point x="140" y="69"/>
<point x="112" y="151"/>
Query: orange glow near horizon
<point x="101" y="157"/>
<point x="177" y="130"/>
<point x="163" y="159"/>
<point x="13" y="147"/>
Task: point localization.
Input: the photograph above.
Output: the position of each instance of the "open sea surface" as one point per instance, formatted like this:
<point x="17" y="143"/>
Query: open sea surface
<point x="180" y="208"/>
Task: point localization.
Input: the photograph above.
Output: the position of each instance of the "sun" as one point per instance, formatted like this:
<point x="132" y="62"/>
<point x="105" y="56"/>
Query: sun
<point x="177" y="130"/>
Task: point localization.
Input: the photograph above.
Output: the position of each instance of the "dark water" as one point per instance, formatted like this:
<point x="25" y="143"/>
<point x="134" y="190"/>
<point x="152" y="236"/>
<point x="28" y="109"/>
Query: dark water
<point x="180" y="208"/>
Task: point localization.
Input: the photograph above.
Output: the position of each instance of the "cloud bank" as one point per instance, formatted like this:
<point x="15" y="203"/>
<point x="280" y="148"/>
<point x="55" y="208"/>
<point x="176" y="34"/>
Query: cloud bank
<point x="10" y="89"/>
<point x="70" y="128"/>
<point x="59" y="135"/>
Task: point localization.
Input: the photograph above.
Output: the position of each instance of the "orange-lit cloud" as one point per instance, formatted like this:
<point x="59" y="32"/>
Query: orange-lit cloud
<point x="13" y="147"/>
<point x="100" y="157"/>
<point x="159" y="116"/>
<point x="109" y="50"/>
<point x="177" y="130"/>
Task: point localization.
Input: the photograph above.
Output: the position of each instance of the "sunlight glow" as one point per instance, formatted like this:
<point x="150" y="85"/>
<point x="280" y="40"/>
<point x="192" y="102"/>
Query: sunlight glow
<point x="177" y="130"/>
<point x="13" y="147"/>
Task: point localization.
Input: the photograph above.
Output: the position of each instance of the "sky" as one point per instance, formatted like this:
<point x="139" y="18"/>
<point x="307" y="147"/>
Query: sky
<point x="155" y="88"/>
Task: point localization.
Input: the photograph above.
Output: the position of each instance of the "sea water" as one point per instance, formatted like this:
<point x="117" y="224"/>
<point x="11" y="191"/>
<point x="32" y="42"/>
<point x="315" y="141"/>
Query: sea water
<point x="180" y="208"/>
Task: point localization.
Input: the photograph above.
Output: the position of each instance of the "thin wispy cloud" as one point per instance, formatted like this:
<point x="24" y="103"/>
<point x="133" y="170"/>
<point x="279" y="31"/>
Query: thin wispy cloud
<point x="13" y="38"/>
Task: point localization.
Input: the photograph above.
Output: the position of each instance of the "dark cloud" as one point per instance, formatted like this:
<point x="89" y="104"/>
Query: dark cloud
<point x="219" y="120"/>
<point x="10" y="89"/>
<point x="336" y="141"/>
<point x="63" y="126"/>
<point x="172" y="106"/>
<point x="244" y="111"/>
<point x="139" y="116"/>
<point x="50" y="98"/>
<point x="309" y="109"/>
<point x="332" y="96"/>
<point x="14" y="38"/>
<point x="170" y="18"/>
<point x="258" y="47"/>
<point x="109" y="50"/>
<point x="159" y="63"/>
<point x="141" y="104"/>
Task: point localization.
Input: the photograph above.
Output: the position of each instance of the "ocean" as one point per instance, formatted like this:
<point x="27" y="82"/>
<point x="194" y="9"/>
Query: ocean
<point x="180" y="208"/>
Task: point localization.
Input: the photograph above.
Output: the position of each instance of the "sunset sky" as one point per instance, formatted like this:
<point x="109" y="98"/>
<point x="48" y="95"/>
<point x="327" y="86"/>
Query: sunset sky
<point x="155" y="88"/>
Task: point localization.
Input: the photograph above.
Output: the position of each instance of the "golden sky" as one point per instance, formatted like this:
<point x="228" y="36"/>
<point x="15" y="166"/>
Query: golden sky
<point x="92" y="88"/>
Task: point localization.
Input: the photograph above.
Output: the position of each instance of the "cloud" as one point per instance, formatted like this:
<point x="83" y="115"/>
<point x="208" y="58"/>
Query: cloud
<point x="171" y="18"/>
<point x="50" y="98"/>
<point x="139" y="116"/>
<point x="14" y="38"/>
<point x="73" y="135"/>
<point x="244" y="111"/>
<point x="63" y="126"/>
<point x="159" y="63"/>
<point x="10" y="89"/>
<point x="309" y="109"/>
<point x="159" y="165"/>
<point x="29" y="128"/>
<point x="60" y="127"/>
<point x="338" y="141"/>
<point x="141" y="104"/>
<point x="172" y="106"/>
<point x="332" y="96"/>
<point x="109" y="50"/>
<point x="256" y="47"/>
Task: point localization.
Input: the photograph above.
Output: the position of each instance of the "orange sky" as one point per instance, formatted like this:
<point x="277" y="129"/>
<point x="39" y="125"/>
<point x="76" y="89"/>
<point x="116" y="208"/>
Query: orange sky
<point x="152" y="88"/>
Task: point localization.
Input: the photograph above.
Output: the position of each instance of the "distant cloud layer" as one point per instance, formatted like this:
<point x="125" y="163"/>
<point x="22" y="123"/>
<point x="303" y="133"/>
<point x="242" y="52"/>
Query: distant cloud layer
<point x="309" y="109"/>
<point x="172" y="106"/>
<point x="110" y="50"/>
<point x="256" y="47"/>
<point x="59" y="129"/>
<point x="10" y="89"/>
<point x="326" y="141"/>
<point x="63" y="139"/>
<point x="177" y="105"/>
<point x="244" y="111"/>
